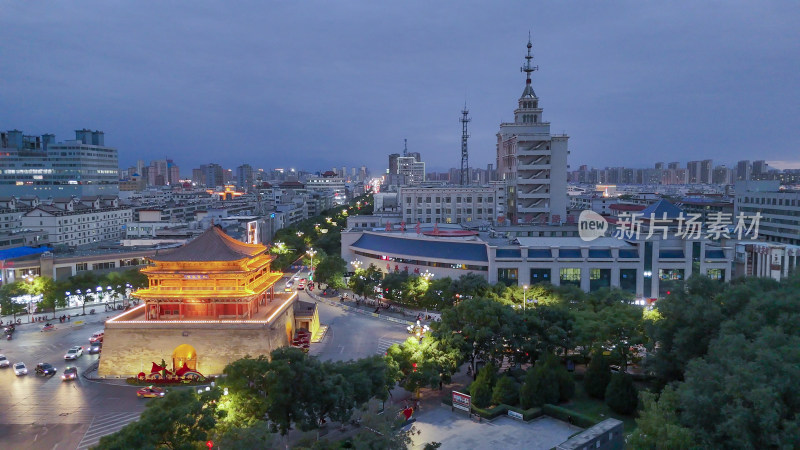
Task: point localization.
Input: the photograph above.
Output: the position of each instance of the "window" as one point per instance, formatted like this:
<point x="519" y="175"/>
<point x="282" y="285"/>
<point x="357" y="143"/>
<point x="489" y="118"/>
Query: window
<point x="540" y="276"/>
<point x="81" y="267"/>
<point x="627" y="280"/>
<point x="570" y="276"/>
<point x="507" y="276"/>
<point x="599" y="278"/>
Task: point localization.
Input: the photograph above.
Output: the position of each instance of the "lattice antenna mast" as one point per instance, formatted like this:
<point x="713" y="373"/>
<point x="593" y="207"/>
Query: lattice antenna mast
<point x="405" y="147"/>
<point x="464" y="152"/>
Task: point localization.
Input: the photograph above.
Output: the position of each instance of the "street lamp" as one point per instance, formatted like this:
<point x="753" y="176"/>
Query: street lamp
<point x="311" y="252"/>
<point x="524" y="296"/>
<point x="427" y="275"/>
<point x="356" y="264"/>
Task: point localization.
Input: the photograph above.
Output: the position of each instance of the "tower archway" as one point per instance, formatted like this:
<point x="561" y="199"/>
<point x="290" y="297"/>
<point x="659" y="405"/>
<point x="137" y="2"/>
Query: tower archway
<point x="184" y="353"/>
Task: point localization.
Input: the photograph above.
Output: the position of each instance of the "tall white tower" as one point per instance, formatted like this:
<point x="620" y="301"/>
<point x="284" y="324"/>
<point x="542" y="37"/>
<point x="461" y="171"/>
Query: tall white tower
<point x="532" y="161"/>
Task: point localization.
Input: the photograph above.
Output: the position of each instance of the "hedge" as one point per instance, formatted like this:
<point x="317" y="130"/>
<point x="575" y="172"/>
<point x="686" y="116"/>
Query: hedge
<point x="500" y="410"/>
<point x="564" y="414"/>
<point x="527" y="414"/>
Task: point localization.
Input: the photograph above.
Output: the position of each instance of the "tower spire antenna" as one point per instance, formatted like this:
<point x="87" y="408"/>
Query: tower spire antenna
<point x="464" y="153"/>
<point x="528" y="68"/>
<point x="405" y="147"/>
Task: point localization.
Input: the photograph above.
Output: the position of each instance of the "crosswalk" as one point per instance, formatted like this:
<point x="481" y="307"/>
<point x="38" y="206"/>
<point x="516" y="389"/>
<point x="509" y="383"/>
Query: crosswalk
<point x="385" y="343"/>
<point x="103" y="425"/>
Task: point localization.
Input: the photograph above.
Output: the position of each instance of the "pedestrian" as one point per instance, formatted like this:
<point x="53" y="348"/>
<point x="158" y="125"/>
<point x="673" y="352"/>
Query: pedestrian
<point x="67" y="317"/>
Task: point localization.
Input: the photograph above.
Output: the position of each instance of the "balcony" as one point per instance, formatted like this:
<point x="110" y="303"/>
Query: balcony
<point x="522" y="167"/>
<point x="534" y="195"/>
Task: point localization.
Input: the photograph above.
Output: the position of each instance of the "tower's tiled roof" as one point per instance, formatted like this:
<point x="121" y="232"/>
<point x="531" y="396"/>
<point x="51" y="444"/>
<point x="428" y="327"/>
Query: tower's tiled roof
<point x="212" y="245"/>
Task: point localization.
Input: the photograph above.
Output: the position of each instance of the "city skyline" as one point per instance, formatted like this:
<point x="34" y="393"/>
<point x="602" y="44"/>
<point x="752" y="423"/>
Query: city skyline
<point x="289" y="87"/>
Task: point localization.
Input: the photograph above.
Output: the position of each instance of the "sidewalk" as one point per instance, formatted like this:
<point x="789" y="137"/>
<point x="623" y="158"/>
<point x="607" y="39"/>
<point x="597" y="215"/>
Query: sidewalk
<point x="73" y="312"/>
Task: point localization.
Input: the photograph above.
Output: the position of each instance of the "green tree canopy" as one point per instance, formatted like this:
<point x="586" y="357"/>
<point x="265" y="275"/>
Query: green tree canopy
<point x="180" y="420"/>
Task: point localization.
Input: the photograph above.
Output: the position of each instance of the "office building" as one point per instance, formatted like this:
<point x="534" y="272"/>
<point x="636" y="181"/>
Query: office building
<point x="532" y="161"/>
<point x="779" y="209"/>
<point x="468" y="205"/>
<point x="38" y="165"/>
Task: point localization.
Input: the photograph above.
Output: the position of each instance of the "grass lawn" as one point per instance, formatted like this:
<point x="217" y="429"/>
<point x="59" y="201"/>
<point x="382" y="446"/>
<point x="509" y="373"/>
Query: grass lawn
<point x="594" y="408"/>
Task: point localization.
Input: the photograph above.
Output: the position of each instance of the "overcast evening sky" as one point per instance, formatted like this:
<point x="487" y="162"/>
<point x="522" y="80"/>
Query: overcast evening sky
<point x="315" y="84"/>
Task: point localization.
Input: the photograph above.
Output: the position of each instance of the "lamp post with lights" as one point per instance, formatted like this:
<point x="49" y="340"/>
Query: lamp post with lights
<point x="311" y="252"/>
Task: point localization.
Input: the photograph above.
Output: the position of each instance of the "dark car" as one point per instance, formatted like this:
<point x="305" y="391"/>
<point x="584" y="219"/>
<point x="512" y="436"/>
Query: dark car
<point x="70" y="373"/>
<point x="45" y="369"/>
<point x="96" y="347"/>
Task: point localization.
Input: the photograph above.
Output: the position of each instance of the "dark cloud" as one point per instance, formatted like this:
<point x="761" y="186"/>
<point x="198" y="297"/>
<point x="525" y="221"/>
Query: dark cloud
<point x="313" y="84"/>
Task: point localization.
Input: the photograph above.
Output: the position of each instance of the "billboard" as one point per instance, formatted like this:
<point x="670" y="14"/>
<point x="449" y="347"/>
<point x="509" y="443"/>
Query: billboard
<point x="462" y="401"/>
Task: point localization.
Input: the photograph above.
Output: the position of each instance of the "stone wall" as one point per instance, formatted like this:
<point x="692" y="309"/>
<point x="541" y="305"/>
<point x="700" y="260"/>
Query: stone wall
<point x="130" y="348"/>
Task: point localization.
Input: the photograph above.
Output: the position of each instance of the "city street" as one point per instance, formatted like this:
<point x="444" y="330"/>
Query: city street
<point x="46" y="412"/>
<point x="352" y="335"/>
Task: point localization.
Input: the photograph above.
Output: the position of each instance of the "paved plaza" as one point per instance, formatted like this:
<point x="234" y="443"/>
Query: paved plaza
<point x="455" y="430"/>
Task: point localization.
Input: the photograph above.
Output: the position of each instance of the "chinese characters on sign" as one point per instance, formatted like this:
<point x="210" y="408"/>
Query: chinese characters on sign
<point x="461" y="401"/>
<point x="689" y="226"/>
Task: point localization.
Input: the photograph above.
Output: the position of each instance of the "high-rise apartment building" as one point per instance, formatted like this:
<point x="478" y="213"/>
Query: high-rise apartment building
<point x="760" y="169"/>
<point x="743" y="170"/>
<point x="244" y="177"/>
<point x="722" y="175"/>
<point x="693" y="171"/>
<point x="38" y="165"/>
<point x="706" y="171"/>
<point x="532" y="161"/>
<point x="212" y="175"/>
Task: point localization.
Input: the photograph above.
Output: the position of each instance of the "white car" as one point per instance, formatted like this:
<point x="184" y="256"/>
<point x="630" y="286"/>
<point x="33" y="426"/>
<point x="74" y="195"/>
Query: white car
<point x="4" y="362"/>
<point x="74" y="353"/>
<point x="20" y="369"/>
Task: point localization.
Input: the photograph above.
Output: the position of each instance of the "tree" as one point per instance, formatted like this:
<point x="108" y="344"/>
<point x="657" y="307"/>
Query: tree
<point x="690" y="320"/>
<point x="393" y="284"/>
<point x="481" y="329"/>
<point x="621" y="395"/>
<point x="506" y="391"/>
<point x="657" y="426"/>
<point x="481" y="388"/>
<point x="53" y="293"/>
<point x="540" y="386"/>
<point x="84" y="284"/>
<point x="439" y="294"/>
<point x="329" y="267"/>
<point x="268" y="386"/>
<point x="416" y="364"/>
<point x="546" y="382"/>
<point x="8" y="292"/>
<point x="381" y="430"/>
<point x="597" y="376"/>
<point x="180" y="420"/>
<point x="471" y="285"/>
<point x="255" y="435"/>
<point x="364" y="281"/>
